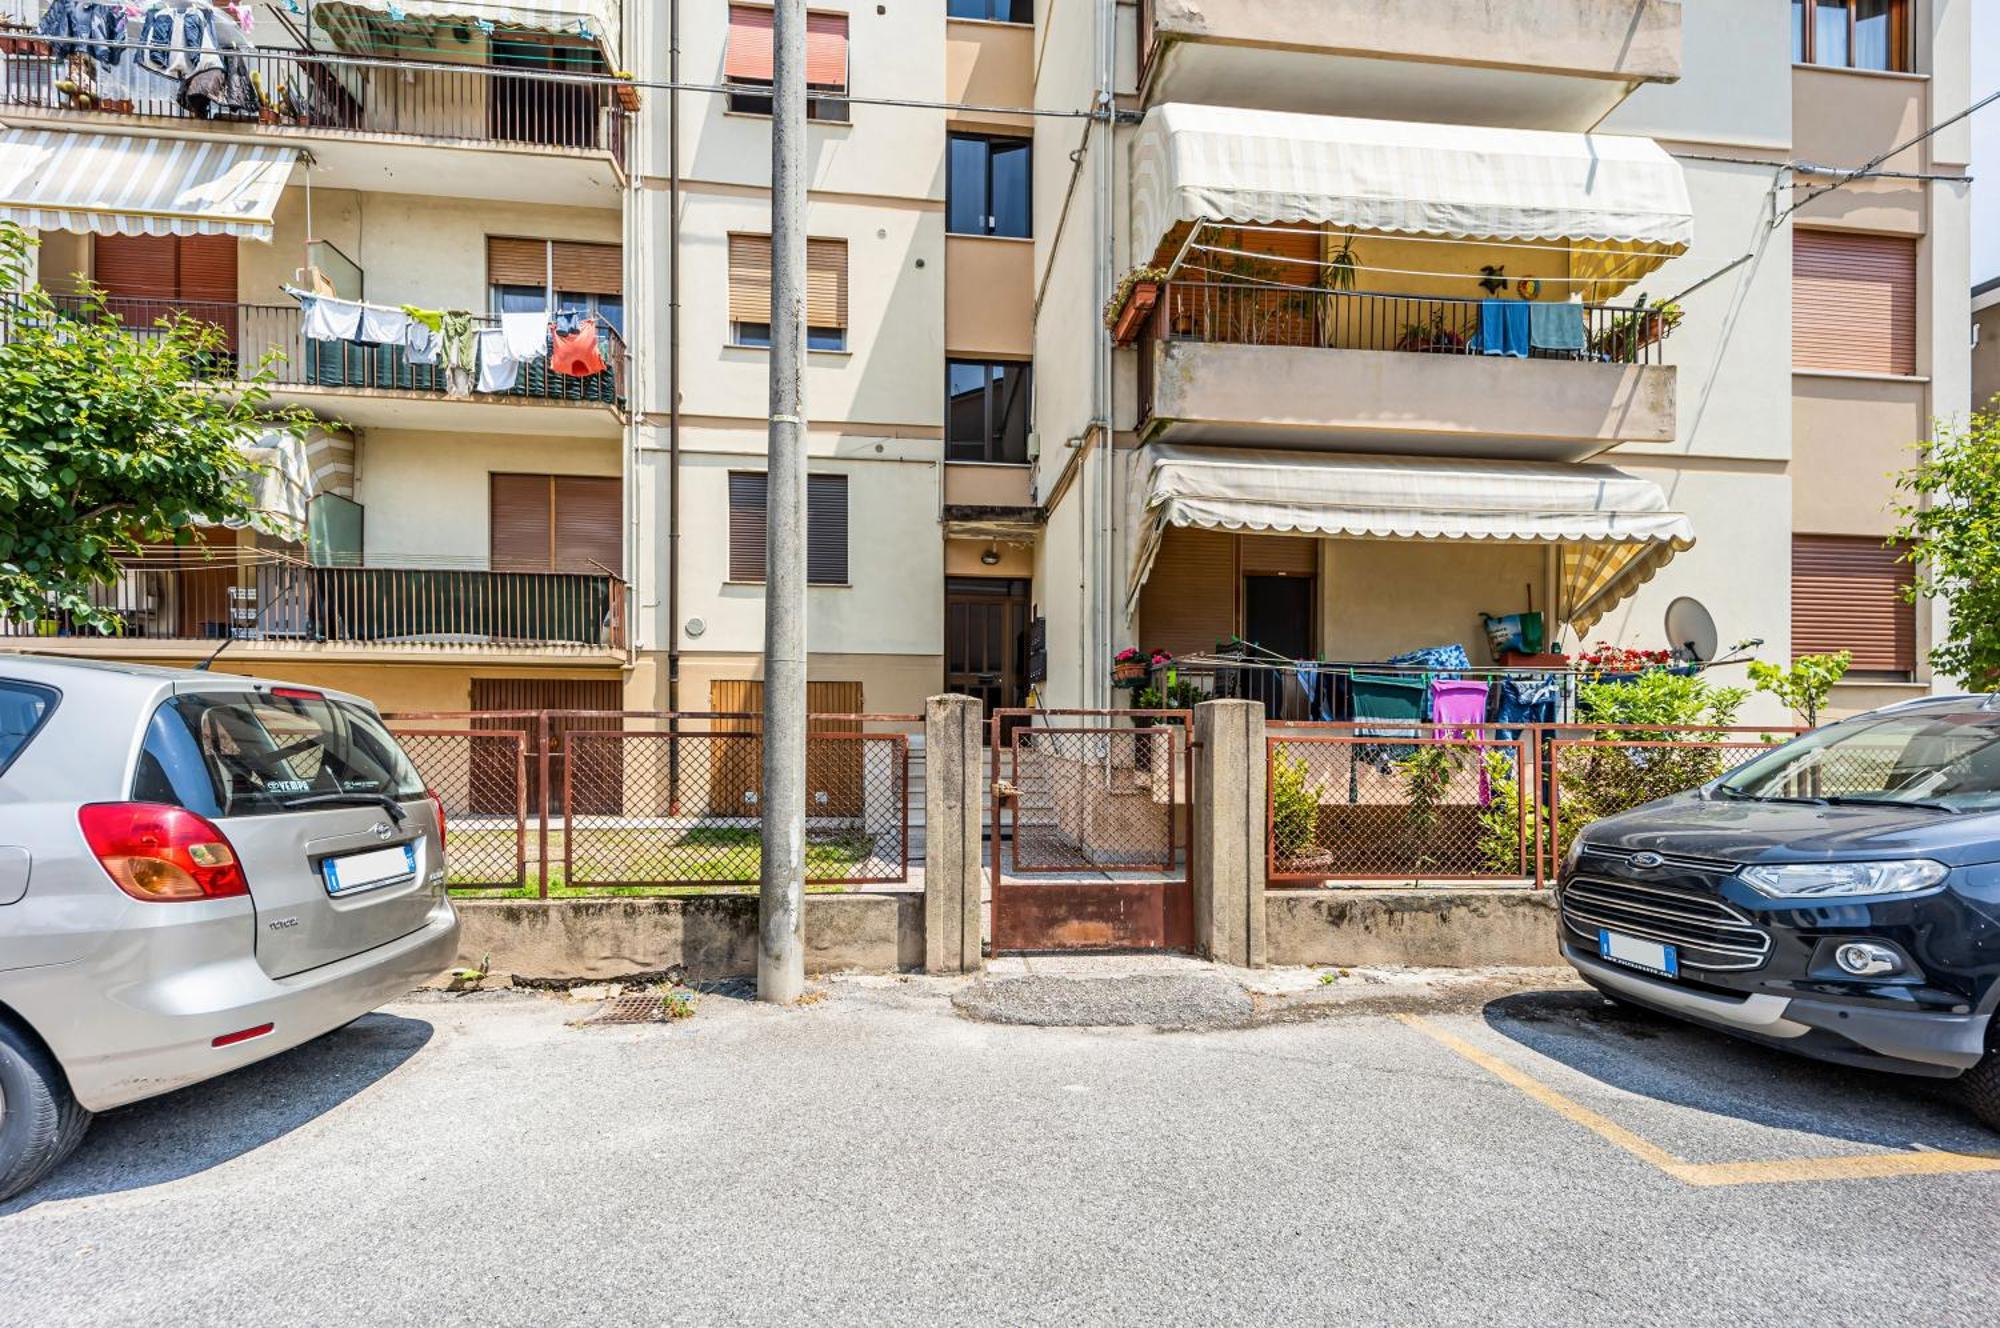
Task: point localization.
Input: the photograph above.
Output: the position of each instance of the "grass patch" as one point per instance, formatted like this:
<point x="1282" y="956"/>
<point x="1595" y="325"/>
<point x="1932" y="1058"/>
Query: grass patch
<point x="646" y="861"/>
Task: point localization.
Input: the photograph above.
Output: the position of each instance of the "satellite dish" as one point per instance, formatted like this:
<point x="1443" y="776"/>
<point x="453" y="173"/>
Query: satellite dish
<point x="1690" y="631"/>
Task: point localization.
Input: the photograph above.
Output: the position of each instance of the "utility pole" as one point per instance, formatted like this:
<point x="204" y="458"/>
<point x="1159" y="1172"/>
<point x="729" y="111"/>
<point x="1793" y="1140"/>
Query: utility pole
<point x="781" y="889"/>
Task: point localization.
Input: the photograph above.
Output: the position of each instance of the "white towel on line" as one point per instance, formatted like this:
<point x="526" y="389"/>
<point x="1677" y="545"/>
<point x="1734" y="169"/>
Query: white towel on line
<point x="384" y="327"/>
<point x="328" y="319"/>
<point x="527" y="333"/>
<point x="498" y="369"/>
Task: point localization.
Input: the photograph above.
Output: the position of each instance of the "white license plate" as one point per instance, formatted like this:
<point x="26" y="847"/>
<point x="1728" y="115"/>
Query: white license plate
<point x="1635" y="952"/>
<point x="365" y="871"/>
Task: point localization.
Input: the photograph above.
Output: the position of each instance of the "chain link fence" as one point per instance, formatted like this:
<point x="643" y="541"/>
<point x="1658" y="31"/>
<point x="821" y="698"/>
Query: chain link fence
<point x="1086" y="797"/>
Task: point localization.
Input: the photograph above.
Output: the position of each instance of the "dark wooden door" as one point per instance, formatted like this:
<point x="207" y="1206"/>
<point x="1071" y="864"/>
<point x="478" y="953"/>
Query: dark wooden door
<point x="1278" y="614"/>
<point x="985" y="639"/>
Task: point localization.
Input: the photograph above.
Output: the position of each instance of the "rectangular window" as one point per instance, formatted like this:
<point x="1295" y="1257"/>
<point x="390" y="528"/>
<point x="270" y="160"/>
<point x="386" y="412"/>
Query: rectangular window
<point x="557" y="523"/>
<point x="1852" y="34"/>
<point x="750" y="292"/>
<point x="1854" y="302"/>
<point x="986" y="410"/>
<point x="995" y="11"/>
<point x="524" y="275"/>
<point x="747" y="66"/>
<point x="826" y="527"/>
<point x="987" y="186"/>
<point x="1847" y="594"/>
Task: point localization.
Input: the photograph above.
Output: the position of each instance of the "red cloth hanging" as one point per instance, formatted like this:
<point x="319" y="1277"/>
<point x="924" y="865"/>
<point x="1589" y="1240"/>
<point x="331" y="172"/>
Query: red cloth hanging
<point x="576" y="355"/>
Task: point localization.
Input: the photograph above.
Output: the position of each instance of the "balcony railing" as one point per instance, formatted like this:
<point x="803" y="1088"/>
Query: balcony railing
<point x="290" y="603"/>
<point x="250" y="331"/>
<point x="323" y="92"/>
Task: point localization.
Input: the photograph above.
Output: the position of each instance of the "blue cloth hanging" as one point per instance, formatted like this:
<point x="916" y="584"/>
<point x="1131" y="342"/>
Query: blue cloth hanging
<point x="1503" y="328"/>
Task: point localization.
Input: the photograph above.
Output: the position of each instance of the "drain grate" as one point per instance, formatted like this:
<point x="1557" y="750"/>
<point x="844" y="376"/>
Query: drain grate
<point x="631" y="1010"/>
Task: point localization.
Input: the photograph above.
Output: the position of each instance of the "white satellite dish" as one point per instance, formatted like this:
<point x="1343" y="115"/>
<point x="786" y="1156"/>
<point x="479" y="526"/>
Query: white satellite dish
<point x="1691" y="631"/>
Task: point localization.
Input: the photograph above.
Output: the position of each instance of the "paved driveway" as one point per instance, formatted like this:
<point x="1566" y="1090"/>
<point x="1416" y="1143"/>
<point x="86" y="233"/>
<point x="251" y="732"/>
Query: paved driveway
<point x="874" y="1158"/>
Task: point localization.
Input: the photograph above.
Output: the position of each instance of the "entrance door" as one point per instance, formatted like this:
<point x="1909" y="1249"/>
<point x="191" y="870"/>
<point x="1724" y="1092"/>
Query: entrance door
<point x="985" y="639"/>
<point x="1278" y="614"/>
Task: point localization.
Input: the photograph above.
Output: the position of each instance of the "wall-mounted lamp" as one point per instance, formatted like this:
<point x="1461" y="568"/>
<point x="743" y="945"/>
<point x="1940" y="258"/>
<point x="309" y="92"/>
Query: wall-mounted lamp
<point x="991" y="557"/>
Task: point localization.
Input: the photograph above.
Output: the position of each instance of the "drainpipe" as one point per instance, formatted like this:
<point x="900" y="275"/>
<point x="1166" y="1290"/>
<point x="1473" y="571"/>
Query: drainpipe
<point x="1102" y="264"/>
<point x="674" y="358"/>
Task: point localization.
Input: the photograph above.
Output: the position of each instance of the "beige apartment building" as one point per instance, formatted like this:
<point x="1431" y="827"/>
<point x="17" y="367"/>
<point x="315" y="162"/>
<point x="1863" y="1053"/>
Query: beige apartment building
<point x="1291" y="429"/>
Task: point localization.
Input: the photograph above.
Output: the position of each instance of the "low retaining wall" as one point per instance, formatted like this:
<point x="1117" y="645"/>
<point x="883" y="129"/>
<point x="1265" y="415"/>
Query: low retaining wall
<point x="712" y="936"/>
<point x="1430" y="928"/>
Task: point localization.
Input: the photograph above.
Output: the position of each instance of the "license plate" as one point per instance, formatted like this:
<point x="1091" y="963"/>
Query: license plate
<point x="1634" y="952"/>
<point x="365" y="871"/>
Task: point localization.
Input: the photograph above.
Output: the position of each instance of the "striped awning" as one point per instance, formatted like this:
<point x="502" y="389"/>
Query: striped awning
<point x="594" y="21"/>
<point x="1615" y="530"/>
<point x="118" y="184"/>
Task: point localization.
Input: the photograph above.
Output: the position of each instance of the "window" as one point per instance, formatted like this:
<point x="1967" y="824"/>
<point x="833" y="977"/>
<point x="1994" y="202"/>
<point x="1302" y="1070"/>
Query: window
<point x="1854" y="302"/>
<point x="750" y="292"/>
<point x="826" y="527"/>
<point x="525" y="275"/>
<point x="986" y="189"/>
<point x="986" y="410"/>
<point x="557" y="523"/>
<point x="23" y="708"/>
<point x="1847" y="594"/>
<point x="1852" y="34"/>
<point x="747" y="67"/>
<point x="998" y="11"/>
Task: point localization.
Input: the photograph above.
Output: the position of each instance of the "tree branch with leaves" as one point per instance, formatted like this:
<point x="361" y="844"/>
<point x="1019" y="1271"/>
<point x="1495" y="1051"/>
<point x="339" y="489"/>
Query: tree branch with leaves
<point x="1951" y="525"/>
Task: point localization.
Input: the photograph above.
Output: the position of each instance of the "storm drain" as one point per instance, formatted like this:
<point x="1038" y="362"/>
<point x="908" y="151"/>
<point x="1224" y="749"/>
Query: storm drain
<point x="650" y="1009"/>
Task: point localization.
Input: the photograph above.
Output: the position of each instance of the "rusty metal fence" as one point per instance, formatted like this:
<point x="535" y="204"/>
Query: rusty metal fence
<point x="1088" y="795"/>
<point x="568" y="801"/>
<point x="1419" y="802"/>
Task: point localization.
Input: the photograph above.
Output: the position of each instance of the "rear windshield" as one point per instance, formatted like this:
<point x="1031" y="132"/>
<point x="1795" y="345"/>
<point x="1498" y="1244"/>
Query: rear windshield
<point x="252" y="753"/>
<point x="23" y="707"/>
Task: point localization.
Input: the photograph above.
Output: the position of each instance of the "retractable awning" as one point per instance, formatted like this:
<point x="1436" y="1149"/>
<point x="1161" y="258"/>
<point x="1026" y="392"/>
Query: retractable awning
<point x="592" y="20"/>
<point x="120" y="184"/>
<point x="281" y="483"/>
<point x="1621" y="203"/>
<point x="1615" y="530"/>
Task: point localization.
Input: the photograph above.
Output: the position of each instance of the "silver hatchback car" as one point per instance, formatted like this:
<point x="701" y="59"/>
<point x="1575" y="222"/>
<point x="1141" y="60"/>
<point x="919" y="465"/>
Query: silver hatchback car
<point x="197" y="871"/>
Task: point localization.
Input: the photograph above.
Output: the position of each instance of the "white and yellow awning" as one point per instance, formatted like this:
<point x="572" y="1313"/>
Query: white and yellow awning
<point x="1615" y="530"/>
<point x="1618" y="203"/>
<point x="594" y="21"/>
<point x="121" y="184"/>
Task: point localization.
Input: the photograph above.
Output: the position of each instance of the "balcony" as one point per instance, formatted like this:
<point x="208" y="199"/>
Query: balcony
<point x="456" y="130"/>
<point x="164" y="605"/>
<point x="1307" y="367"/>
<point x="1554" y="64"/>
<point x="376" y="385"/>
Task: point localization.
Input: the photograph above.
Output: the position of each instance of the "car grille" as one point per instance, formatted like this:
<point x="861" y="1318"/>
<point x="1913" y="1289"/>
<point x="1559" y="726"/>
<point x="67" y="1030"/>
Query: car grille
<point x="1708" y="932"/>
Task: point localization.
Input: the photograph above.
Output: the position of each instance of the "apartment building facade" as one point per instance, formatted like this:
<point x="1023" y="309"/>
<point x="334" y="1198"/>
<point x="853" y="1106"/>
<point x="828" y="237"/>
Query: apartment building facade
<point x="997" y="498"/>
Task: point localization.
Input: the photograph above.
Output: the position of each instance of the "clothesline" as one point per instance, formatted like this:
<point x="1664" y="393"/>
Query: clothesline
<point x="1204" y="662"/>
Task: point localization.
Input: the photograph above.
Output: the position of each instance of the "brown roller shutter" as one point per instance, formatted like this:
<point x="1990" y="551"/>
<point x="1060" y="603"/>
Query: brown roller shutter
<point x="826" y="530"/>
<point x="746" y="526"/>
<point x="512" y="262"/>
<point x="1854" y="302"/>
<point x="826" y="282"/>
<point x="749" y="278"/>
<point x="750" y="54"/>
<point x="208" y="268"/>
<point x="1847" y="595"/>
<point x="1279" y="555"/>
<point x="591" y="269"/>
<point x="137" y="267"/>
<point x="521" y="515"/>
<point x="826" y="51"/>
<point x="1189" y="601"/>
<point x="589" y="517"/>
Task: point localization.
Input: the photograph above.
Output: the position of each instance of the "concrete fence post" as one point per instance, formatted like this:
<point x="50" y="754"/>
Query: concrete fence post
<point x="954" y="799"/>
<point x="1226" y="865"/>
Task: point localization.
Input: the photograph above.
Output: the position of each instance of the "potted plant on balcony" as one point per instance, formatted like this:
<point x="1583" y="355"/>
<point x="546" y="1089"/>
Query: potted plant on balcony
<point x="626" y="91"/>
<point x="1627" y="334"/>
<point x="1129" y="667"/>
<point x="1430" y="335"/>
<point x="1131" y="300"/>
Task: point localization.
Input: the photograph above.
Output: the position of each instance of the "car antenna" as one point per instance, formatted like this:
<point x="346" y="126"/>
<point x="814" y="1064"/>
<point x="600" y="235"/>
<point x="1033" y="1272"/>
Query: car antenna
<point x="227" y="642"/>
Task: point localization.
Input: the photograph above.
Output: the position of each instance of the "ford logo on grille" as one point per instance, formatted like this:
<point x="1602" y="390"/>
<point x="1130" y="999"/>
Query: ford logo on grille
<point x="1647" y="861"/>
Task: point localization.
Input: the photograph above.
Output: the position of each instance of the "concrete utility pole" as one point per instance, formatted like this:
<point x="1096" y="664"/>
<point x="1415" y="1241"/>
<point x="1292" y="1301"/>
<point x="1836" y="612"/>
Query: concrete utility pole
<point x="781" y="894"/>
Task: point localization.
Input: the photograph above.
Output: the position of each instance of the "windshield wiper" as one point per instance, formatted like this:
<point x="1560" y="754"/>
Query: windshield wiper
<point x="1849" y="800"/>
<point x="1737" y="795"/>
<point x="382" y="800"/>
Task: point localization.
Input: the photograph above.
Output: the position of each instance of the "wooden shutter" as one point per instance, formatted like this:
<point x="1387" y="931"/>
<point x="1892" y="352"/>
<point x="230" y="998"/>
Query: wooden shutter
<point x="513" y="262"/>
<point x="593" y="269"/>
<point x="826" y="530"/>
<point x="208" y="268"/>
<point x="521" y="510"/>
<point x="589" y="521"/>
<point x="137" y="267"/>
<point x="746" y="525"/>
<point x="1854" y="302"/>
<point x="1188" y="604"/>
<point x="1279" y="555"/>
<point x="826" y="51"/>
<point x="1847" y="595"/>
<point x="750" y="44"/>
<point x="826" y="282"/>
<point x="749" y="278"/>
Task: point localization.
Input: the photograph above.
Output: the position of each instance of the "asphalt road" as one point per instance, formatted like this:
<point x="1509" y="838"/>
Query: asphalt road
<point x="875" y="1158"/>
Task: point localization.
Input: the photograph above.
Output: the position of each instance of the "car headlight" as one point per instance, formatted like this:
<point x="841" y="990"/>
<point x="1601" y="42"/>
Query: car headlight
<point x="1825" y="880"/>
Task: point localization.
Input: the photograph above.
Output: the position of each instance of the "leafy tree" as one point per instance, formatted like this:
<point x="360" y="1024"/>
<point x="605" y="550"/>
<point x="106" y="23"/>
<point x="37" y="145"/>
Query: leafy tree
<point x="1952" y="527"/>
<point x="109" y="440"/>
<point x="1804" y="686"/>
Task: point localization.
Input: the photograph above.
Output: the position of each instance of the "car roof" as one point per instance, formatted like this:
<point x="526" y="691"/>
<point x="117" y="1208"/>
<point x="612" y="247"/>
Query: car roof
<point x="64" y="671"/>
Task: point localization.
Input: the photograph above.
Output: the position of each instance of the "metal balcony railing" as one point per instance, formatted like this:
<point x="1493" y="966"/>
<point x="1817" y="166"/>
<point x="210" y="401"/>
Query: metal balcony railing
<point x="187" y="598"/>
<point x="251" y="331"/>
<point x="325" y="93"/>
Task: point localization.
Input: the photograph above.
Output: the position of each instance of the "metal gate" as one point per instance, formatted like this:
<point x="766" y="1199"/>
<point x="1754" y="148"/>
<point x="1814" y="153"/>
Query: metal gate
<point x="1090" y="830"/>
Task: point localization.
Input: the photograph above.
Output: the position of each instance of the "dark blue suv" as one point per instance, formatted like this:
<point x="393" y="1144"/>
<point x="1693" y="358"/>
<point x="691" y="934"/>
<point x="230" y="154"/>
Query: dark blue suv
<point x="1838" y="897"/>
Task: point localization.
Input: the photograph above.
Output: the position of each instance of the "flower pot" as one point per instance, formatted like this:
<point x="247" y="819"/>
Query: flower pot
<point x="628" y="96"/>
<point x="1138" y="304"/>
<point x="1129" y="670"/>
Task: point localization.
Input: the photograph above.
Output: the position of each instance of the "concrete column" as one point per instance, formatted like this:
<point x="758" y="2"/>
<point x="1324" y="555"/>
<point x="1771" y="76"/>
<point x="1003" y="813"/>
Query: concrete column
<point x="954" y="797"/>
<point x="1226" y="870"/>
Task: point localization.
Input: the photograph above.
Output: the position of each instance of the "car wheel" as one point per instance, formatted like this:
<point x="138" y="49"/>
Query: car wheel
<point x="40" y="1123"/>
<point x="1980" y="1086"/>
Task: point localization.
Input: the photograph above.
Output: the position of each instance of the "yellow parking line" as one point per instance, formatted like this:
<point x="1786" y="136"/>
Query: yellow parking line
<point x="1864" y="1166"/>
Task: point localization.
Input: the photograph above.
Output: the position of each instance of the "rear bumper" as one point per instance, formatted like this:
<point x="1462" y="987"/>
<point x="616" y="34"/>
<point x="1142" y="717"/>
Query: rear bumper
<point x="151" y="1037"/>
<point x="1919" y="1042"/>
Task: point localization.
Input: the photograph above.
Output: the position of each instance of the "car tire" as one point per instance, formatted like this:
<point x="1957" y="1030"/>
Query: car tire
<point x="40" y="1123"/>
<point x="1980" y="1086"/>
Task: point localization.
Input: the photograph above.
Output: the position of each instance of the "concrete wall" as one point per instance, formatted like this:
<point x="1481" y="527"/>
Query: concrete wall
<point x="985" y="484"/>
<point x="1849" y="436"/>
<point x="1382" y="597"/>
<point x="1456" y="928"/>
<point x="989" y="303"/>
<point x="989" y="65"/>
<point x="890" y="684"/>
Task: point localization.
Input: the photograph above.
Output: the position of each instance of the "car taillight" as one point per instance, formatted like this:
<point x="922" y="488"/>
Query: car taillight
<point x="161" y="853"/>
<point x="437" y="805"/>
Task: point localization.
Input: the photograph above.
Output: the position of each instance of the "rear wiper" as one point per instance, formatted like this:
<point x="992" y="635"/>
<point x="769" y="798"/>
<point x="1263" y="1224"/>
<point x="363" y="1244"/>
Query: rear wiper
<point x="1848" y="800"/>
<point x="382" y="800"/>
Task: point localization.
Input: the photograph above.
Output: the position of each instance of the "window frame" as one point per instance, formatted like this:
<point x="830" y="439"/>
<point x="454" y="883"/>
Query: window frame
<point x="989" y="16"/>
<point x="826" y="103"/>
<point x="741" y="576"/>
<point x="990" y="394"/>
<point x="755" y="333"/>
<point x="990" y="217"/>
<point x="1902" y="52"/>
<point x="590" y="303"/>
